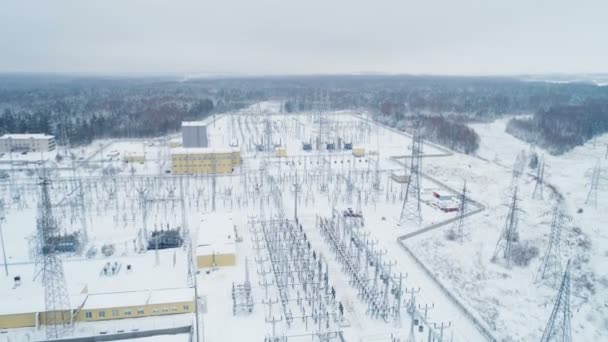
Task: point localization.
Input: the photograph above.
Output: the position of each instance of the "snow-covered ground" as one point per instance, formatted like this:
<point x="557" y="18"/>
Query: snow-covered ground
<point x="507" y="301"/>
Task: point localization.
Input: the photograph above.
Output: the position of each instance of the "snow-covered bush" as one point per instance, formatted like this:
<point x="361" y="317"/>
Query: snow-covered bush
<point x="522" y="253"/>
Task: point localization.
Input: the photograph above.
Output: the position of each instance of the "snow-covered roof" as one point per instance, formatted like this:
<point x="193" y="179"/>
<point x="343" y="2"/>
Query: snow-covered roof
<point x="138" y="298"/>
<point x="193" y="123"/>
<point x="86" y="277"/>
<point x="26" y="136"/>
<point x="116" y="299"/>
<point x="180" y="295"/>
<point x="216" y="234"/>
<point x="216" y="228"/>
<point x="203" y="150"/>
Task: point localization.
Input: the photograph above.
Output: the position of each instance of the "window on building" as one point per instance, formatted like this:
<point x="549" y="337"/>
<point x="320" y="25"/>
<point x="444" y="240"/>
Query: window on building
<point x="127" y="312"/>
<point x="140" y="311"/>
<point x="165" y="310"/>
<point x="114" y="313"/>
<point x="186" y="307"/>
<point x="174" y="309"/>
<point x="102" y="314"/>
<point x="88" y="314"/>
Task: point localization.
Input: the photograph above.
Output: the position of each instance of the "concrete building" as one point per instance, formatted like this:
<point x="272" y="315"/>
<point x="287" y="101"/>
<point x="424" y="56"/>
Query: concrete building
<point x="173" y="143"/>
<point x="98" y="290"/>
<point x="204" y="160"/>
<point x="194" y="134"/>
<point x="134" y="157"/>
<point x="216" y="245"/>
<point x="134" y="304"/>
<point x="27" y="143"/>
<point x="280" y="152"/>
<point x="358" y="151"/>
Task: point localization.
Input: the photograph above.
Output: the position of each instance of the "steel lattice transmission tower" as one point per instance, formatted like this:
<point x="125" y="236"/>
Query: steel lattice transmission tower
<point x="540" y="179"/>
<point x="57" y="317"/>
<point x="558" y="327"/>
<point x="518" y="167"/>
<point x="595" y="181"/>
<point x="411" y="210"/>
<point x="456" y="232"/>
<point x="510" y="232"/>
<point x="550" y="270"/>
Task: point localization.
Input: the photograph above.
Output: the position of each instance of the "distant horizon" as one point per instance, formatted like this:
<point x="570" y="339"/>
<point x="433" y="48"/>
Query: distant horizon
<point x="230" y="74"/>
<point x="313" y="37"/>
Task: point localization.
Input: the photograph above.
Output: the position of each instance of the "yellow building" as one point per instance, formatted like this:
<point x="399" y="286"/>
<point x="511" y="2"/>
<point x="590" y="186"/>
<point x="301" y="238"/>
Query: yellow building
<point x="211" y="256"/>
<point x="358" y="151"/>
<point x="173" y="143"/>
<point x="133" y="157"/>
<point x="204" y="160"/>
<point x="129" y="288"/>
<point x="18" y="320"/>
<point x="280" y="152"/>
<point x="135" y="304"/>
<point x="216" y="245"/>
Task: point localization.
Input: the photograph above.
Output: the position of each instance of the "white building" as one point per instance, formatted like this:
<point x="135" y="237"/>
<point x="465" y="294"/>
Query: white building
<point x="27" y="143"/>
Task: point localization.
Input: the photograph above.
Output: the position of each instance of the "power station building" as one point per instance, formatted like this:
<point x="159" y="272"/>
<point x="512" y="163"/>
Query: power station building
<point x="216" y="245"/>
<point x="204" y="160"/>
<point x="100" y="290"/>
<point x="194" y="134"/>
<point x="27" y="143"/>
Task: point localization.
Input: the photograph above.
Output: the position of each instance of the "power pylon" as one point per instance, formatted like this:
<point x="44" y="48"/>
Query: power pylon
<point x="558" y="326"/>
<point x="457" y="230"/>
<point x="57" y="317"/>
<point x="411" y="210"/>
<point x="518" y="167"/>
<point x="594" y="184"/>
<point x="540" y="179"/>
<point x="510" y="232"/>
<point x="550" y="270"/>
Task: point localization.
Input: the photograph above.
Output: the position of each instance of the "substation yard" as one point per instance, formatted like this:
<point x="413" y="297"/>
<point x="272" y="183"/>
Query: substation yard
<point x="321" y="251"/>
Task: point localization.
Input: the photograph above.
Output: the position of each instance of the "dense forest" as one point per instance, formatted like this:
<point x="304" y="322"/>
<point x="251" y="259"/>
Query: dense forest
<point x="80" y="109"/>
<point x="561" y="128"/>
<point x="438" y="129"/>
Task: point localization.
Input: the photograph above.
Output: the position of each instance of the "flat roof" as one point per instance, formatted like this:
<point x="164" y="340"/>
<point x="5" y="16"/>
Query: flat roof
<point x="203" y="150"/>
<point x="26" y="136"/>
<point x="194" y="124"/>
<point x="138" y="298"/>
<point x="216" y="248"/>
<point x="216" y="234"/>
<point x="85" y="277"/>
<point x="216" y="228"/>
<point x="179" y="295"/>
<point x="116" y="299"/>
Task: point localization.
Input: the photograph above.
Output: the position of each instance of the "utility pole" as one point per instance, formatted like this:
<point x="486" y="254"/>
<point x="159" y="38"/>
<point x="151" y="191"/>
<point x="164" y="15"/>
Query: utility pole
<point x="540" y="179"/>
<point x="457" y="230"/>
<point x="297" y="188"/>
<point x="57" y="318"/>
<point x="411" y="210"/>
<point x="558" y="327"/>
<point x="594" y="185"/>
<point x="510" y="233"/>
<point x="3" y="246"/>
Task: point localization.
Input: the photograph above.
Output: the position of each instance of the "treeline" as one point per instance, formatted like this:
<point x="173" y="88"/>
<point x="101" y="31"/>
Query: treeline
<point x="127" y="118"/>
<point x="81" y="109"/>
<point x="561" y="128"/>
<point x="437" y="129"/>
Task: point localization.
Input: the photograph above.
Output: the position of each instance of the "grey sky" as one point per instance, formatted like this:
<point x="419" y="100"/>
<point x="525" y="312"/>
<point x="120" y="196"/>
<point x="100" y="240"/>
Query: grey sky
<point x="304" y="36"/>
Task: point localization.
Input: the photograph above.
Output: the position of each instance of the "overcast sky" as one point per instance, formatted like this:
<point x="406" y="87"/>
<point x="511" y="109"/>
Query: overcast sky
<point x="304" y="36"/>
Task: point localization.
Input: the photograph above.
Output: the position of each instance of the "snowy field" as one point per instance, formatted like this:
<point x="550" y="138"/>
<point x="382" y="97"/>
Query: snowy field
<point x="108" y="208"/>
<point x="509" y="299"/>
